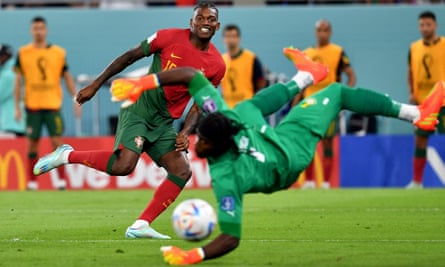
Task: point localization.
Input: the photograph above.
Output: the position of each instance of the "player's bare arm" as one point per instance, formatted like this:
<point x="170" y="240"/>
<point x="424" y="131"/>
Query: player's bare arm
<point x="71" y="86"/>
<point x="18" y="95"/>
<point x="412" y="99"/>
<point x="350" y="74"/>
<point x="116" y="66"/>
<point x="220" y="246"/>
<point x="182" y="140"/>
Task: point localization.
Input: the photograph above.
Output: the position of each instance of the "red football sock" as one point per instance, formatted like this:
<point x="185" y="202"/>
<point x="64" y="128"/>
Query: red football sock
<point x="310" y="171"/>
<point x="164" y="195"/>
<point x="31" y="162"/>
<point x="419" y="165"/>
<point x="61" y="172"/>
<point x="327" y="168"/>
<point x="93" y="159"/>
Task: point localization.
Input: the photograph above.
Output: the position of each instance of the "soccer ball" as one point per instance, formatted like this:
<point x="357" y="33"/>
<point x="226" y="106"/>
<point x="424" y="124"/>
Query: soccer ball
<point x="193" y="219"/>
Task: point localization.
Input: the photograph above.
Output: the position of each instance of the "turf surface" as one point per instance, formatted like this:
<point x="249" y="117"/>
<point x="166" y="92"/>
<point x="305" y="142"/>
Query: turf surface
<point x="292" y="228"/>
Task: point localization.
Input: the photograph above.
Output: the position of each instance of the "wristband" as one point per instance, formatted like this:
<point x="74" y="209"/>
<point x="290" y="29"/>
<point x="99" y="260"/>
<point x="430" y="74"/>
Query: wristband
<point x="150" y="81"/>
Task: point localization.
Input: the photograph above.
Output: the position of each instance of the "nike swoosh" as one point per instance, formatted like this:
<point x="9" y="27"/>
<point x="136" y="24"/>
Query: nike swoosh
<point x="175" y="56"/>
<point x="231" y="213"/>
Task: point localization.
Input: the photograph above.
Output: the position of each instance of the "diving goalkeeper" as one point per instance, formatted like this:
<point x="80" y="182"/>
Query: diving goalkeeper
<point x="246" y="155"/>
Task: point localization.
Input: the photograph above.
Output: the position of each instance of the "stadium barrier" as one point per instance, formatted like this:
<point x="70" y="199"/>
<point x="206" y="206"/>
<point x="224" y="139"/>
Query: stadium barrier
<point x="369" y="161"/>
<point x="386" y="161"/>
<point x="13" y="165"/>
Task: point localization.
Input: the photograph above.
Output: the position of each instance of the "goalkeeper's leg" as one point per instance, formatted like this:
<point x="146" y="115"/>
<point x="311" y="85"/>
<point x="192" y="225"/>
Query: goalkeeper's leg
<point x="315" y="113"/>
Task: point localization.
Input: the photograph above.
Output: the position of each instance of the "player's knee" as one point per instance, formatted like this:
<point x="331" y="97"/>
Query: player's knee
<point x="185" y="173"/>
<point x="124" y="168"/>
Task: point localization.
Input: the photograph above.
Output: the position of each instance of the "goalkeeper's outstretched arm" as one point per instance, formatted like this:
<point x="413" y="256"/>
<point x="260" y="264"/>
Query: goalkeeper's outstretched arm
<point x="220" y="246"/>
<point x="199" y="87"/>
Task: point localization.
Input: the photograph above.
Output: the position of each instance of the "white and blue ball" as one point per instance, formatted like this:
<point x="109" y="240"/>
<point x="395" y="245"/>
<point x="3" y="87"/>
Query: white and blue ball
<point x="194" y="219"/>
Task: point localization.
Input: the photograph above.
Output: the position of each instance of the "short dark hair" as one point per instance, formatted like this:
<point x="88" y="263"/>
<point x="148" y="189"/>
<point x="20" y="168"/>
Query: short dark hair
<point x="219" y="130"/>
<point x="38" y="19"/>
<point x="232" y="27"/>
<point x="427" y="15"/>
<point x="206" y="4"/>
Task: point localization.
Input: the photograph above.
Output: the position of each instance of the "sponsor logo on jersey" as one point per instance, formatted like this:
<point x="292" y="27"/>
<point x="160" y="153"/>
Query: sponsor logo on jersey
<point x="228" y="204"/>
<point x="243" y="143"/>
<point x="325" y="101"/>
<point x="172" y="55"/>
<point x="139" y="141"/>
<point x="231" y="213"/>
<point x="308" y="102"/>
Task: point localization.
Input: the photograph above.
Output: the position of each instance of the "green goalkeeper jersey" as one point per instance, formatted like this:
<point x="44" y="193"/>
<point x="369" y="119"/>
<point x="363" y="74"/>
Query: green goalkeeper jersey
<point x="259" y="163"/>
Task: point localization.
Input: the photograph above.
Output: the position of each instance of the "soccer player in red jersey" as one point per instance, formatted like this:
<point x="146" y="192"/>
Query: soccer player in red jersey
<point x="146" y="126"/>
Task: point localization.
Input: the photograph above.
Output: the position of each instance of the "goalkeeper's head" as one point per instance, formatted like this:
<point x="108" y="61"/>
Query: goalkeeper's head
<point x="215" y="133"/>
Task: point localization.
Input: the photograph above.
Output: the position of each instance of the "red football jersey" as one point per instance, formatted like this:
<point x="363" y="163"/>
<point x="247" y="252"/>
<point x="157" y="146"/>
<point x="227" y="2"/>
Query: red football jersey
<point x="172" y="48"/>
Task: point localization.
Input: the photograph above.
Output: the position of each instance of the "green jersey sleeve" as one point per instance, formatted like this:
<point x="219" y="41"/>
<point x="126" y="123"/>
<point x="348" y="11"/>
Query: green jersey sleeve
<point x="229" y="200"/>
<point x="147" y="43"/>
<point x="205" y="95"/>
<point x="208" y="98"/>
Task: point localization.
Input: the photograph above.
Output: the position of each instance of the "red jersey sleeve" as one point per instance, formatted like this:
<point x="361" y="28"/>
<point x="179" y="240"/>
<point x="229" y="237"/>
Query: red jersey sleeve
<point x="216" y="80"/>
<point x="157" y="41"/>
<point x="219" y="66"/>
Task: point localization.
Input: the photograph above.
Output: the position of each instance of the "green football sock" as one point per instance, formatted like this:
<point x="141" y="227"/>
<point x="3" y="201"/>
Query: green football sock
<point x="368" y="102"/>
<point x="293" y="88"/>
<point x="272" y="98"/>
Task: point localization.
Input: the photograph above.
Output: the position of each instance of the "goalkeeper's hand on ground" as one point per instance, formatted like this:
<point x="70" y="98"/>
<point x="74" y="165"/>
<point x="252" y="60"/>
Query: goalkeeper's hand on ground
<point x="176" y="256"/>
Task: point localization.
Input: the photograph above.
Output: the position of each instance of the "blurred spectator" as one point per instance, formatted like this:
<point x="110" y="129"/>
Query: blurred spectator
<point x="334" y="57"/>
<point x="244" y="72"/>
<point x="7" y="106"/>
<point x="185" y="2"/>
<point x="426" y="67"/>
<point x="40" y="66"/>
<point x="122" y="4"/>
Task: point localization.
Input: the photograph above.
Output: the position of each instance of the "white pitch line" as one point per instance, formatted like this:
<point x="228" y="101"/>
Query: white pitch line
<point x="66" y="211"/>
<point x="370" y="209"/>
<point x="17" y="240"/>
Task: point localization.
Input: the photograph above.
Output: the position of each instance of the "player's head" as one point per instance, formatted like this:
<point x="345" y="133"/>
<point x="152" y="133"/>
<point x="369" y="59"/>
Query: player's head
<point x="323" y="31"/>
<point x="5" y="53"/>
<point x="215" y="133"/>
<point x="204" y="22"/>
<point x="232" y="37"/>
<point x="427" y="24"/>
<point x="38" y="29"/>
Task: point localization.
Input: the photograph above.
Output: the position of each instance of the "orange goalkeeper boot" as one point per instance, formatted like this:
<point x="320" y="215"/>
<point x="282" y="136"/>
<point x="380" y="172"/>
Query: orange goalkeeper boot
<point x="303" y="63"/>
<point x="430" y="107"/>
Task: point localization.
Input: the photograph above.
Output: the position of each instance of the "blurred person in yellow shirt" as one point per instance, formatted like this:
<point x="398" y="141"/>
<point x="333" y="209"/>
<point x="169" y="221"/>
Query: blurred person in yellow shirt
<point x="40" y="67"/>
<point x="244" y="71"/>
<point x="334" y="57"/>
<point x="426" y="66"/>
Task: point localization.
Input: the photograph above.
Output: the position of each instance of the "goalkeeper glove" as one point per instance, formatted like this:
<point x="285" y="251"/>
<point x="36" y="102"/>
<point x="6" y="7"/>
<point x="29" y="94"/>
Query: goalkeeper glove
<point x="131" y="89"/>
<point x="176" y="256"/>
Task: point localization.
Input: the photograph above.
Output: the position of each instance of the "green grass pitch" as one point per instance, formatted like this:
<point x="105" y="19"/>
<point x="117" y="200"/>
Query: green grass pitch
<point x="352" y="227"/>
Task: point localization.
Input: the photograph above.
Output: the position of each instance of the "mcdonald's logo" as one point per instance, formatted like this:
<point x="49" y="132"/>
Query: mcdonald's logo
<point x="6" y="172"/>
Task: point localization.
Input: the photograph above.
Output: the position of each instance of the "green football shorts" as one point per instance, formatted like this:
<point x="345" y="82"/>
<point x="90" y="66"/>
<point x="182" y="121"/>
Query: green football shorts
<point x="142" y="135"/>
<point x="35" y="119"/>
